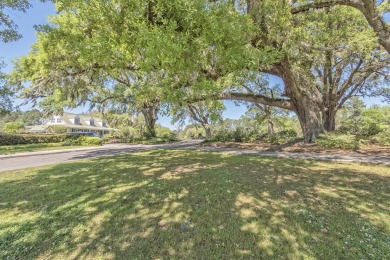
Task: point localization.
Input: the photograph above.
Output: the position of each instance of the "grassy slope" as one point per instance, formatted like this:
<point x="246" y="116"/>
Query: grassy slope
<point x="23" y="148"/>
<point x="187" y="204"/>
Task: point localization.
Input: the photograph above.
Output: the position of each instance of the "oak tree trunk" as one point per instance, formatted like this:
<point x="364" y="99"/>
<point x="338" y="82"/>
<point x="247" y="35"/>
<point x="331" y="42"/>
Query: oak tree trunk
<point x="306" y="101"/>
<point x="207" y="129"/>
<point x="270" y="123"/>
<point x="150" y="115"/>
<point x="330" y="119"/>
<point x="310" y="119"/>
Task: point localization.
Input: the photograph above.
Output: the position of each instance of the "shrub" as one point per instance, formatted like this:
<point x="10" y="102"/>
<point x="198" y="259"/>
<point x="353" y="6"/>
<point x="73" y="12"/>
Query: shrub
<point x="252" y="136"/>
<point x="280" y="137"/>
<point x="338" y="140"/>
<point x="109" y="138"/>
<point x="193" y="133"/>
<point x="223" y="136"/>
<point x="165" y="133"/>
<point x="287" y="133"/>
<point x="371" y="129"/>
<point x="88" y="140"/>
<point x="365" y="123"/>
<point x="242" y="135"/>
<point x="128" y="132"/>
<point x="383" y="138"/>
<point x="13" y="127"/>
<point x="238" y="135"/>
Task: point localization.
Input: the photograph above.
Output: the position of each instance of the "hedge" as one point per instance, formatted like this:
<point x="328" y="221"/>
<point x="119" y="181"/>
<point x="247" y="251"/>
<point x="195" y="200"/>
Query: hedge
<point x="239" y="135"/>
<point x="15" y="139"/>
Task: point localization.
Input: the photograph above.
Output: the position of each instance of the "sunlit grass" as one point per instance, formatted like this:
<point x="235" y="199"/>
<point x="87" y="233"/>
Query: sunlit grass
<point x="22" y="148"/>
<point x="195" y="205"/>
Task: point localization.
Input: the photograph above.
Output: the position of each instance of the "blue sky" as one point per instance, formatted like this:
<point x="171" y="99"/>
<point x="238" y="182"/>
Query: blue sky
<point x="38" y="15"/>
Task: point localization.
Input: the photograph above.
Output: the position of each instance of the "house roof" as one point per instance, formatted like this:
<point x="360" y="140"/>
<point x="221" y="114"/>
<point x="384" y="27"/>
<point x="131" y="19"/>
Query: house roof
<point x="84" y="121"/>
<point x="88" y="127"/>
<point x="38" y="128"/>
<point x="68" y="122"/>
<point x="82" y="117"/>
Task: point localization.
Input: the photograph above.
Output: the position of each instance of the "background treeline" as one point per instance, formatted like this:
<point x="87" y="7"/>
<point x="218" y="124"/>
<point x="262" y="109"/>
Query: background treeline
<point x="26" y="118"/>
<point x="355" y="125"/>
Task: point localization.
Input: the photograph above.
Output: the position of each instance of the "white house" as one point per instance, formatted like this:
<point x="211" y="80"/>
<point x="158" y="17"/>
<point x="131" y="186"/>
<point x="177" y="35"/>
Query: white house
<point x="75" y="124"/>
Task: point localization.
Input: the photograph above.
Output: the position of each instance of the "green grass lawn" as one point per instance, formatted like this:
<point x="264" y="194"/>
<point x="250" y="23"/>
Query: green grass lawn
<point x="22" y="148"/>
<point x="195" y="205"/>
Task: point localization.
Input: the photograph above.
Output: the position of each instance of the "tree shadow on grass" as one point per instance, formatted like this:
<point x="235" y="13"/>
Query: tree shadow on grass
<point x="186" y="204"/>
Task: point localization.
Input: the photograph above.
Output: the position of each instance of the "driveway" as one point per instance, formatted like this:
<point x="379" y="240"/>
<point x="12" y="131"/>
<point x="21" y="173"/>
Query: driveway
<point x="34" y="159"/>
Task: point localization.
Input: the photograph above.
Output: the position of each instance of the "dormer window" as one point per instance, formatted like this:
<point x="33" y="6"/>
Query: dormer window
<point x="55" y="119"/>
<point x="104" y="124"/>
<point x="77" y="120"/>
<point x="91" y="122"/>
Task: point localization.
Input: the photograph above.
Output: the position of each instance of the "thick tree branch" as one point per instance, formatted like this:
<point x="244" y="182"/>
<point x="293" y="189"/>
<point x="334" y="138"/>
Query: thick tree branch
<point x="253" y="98"/>
<point x="325" y="4"/>
<point x="348" y="82"/>
<point x="196" y="114"/>
<point x="281" y="103"/>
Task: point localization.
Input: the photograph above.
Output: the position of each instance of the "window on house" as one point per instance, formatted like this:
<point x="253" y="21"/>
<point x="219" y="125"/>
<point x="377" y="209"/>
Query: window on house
<point x="91" y="122"/>
<point x="104" y="124"/>
<point x="59" y="120"/>
<point x="77" y="121"/>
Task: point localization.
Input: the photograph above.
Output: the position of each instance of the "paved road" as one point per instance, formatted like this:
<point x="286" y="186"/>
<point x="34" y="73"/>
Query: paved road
<point x="53" y="157"/>
<point x="34" y="159"/>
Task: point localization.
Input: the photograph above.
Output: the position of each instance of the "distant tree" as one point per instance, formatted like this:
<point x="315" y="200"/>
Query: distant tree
<point x="192" y="131"/>
<point x="275" y="119"/>
<point x="13" y="116"/>
<point x="258" y="84"/>
<point x="351" y="118"/>
<point x="5" y="94"/>
<point x="165" y="133"/>
<point x="205" y="113"/>
<point x="32" y="117"/>
<point x="359" y="120"/>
